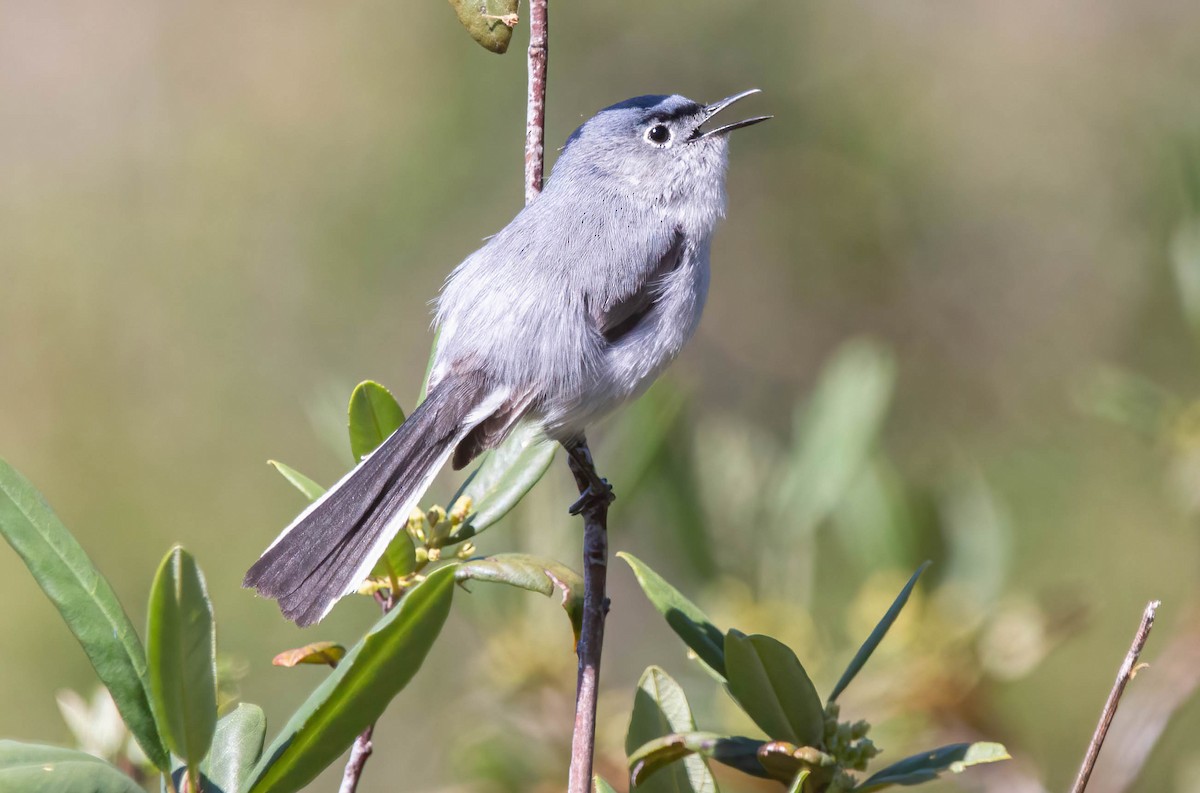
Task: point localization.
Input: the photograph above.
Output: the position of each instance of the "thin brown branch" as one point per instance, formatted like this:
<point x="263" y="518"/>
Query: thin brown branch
<point x="594" y="499"/>
<point x="535" y="115"/>
<point x="1148" y="709"/>
<point x="1124" y="675"/>
<point x="358" y="759"/>
<point x="362" y="749"/>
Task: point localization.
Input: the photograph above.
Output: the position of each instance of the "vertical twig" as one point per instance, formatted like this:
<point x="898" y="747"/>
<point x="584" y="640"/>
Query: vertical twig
<point x="1124" y="675"/>
<point x="595" y="608"/>
<point x="358" y="758"/>
<point x="535" y="114"/>
<point x="595" y="510"/>
<point x="361" y="751"/>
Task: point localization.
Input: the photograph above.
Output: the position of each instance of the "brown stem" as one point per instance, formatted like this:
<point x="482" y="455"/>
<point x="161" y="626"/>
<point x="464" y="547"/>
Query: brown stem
<point x="535" y="116"/>
<point x="358" y="759"/>
<point x="1124" y="675"/>
<point x="595" y="608"/>
<point x="363" y="747"/>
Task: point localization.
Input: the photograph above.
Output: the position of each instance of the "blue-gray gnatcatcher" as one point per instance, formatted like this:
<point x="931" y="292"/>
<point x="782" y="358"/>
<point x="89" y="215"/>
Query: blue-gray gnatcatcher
<point x="575" y="307"/>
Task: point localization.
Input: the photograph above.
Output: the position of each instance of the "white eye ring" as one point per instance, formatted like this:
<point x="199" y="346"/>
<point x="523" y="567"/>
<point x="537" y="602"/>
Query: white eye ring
<point x="658" y="135"/>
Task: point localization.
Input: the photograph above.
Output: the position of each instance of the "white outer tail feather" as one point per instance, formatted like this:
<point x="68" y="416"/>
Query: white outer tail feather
<point x="487" y="406"/>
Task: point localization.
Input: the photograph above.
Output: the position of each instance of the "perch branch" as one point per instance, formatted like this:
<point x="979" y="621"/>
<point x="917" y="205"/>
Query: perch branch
<point x="1124" y="675"/>
<point x="594" y="498"/>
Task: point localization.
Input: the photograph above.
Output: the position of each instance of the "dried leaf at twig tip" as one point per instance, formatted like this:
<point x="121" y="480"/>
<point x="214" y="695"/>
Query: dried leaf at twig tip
<point x="490" y="22"/>
<point x="316" y="653"/>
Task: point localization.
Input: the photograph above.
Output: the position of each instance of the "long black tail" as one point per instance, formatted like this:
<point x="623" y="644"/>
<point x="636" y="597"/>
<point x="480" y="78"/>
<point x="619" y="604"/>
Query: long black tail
<point x="331" y="547"/>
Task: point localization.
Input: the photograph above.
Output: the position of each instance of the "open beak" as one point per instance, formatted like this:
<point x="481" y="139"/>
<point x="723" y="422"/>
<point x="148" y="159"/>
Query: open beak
<point x="717" y="107"/>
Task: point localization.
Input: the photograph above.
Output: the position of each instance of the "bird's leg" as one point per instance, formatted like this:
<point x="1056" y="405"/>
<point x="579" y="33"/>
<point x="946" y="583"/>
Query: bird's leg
<point x="594" y="490"/>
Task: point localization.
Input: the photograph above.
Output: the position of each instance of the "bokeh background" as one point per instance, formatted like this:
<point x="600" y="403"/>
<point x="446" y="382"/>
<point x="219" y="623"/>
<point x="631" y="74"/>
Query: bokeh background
<point x="216" y="218"/>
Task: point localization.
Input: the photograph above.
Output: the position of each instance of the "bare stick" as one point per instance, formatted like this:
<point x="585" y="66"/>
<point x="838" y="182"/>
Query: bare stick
<point x="1124" y="675"/>
<point x="594" y="509"/>
<point x="363" y="747"/>
<point x="358" y="758"/>
<point x="535" y="115"/>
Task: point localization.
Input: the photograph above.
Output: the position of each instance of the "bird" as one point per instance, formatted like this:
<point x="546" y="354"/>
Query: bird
<point x="572" y="309"/>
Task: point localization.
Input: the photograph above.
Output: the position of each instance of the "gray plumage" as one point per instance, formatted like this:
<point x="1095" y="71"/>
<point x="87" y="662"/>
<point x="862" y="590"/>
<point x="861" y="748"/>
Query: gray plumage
<point x="573" y="308"/>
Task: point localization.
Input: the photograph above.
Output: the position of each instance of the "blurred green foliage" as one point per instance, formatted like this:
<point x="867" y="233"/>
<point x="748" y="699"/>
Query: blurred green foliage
<point x="212" y="219"/>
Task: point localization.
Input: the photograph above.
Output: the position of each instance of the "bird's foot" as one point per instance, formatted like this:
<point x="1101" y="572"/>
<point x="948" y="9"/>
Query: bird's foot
<point x="599" y="495"/>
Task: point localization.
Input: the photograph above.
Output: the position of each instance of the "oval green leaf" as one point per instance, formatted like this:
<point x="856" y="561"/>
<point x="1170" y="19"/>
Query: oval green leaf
<point x="374" y="414"/>
<point x="482" y="22"/>
<point x="877" y="634"/>
<point x="236" y="747"/>
<point x="181" y="648"/>
<point x="683" y="616"/>
<point x="33" y="768"/>
<point x="506" y="474"/>
<point x="531" y="573"/>
<point x="311" y="490"/>
<point x="835" y="430"/>
<point x="924" y="767"/>
<point x="660" y="708"/>
<point x="770" y="684"/>
<point x="357" y="692"/>
<point x="399" y="558"/>
<point x="86" y="602"/>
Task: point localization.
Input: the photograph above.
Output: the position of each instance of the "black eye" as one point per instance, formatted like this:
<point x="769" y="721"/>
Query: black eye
<point x="658" y="134"/>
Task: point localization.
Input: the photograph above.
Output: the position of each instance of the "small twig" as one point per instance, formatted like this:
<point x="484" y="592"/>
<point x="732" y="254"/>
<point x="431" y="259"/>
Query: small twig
<point x="1124" y="675"/>
<point x="535" y="114"/>
<point x="1148" y="709"/>
<point x="595" y="608"/>
<point x="358" y="758"/>
<point x="363" y="747"/>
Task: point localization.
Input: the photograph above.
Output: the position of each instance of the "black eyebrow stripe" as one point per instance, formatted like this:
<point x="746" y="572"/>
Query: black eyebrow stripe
<point x="686" y="110"/>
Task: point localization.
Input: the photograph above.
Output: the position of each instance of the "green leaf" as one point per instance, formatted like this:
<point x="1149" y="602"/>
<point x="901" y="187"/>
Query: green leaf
<point x="836" y="429"/>
<point x="661" y="708"/>
<point x="311" y="490"/>
<point x="86" y="602"/>
<point x="492" y="34"/>
<point x="683" y="616"/>
<point x="768" y="681"/>
<point x="926" y="766"/>
<point x="880" y="630"/>
<point x="237" y="745"/>
<point x="356" y="693"/>
<point x="34" y="768"/>
<point x="506" y="474"/>
<point x="835" y="432"/>
<point x="374" y="414"/>
<point x="532" y="573"/>
<point x="797" y="785"/>
<point x="399" y="558"/>
<point x="735" y="752"/>
<point x="181" y="647"/>
<point x="601" y="786"/>
<point x="326" y="653"/>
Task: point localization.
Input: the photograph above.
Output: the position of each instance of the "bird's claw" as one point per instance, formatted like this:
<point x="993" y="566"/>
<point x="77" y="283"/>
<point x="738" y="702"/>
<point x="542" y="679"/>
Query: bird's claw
<point x="599" y="494"/>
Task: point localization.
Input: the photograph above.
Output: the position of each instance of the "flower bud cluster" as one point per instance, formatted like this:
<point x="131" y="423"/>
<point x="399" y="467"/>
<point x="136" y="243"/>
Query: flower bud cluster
<point x="847" y="741"/>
